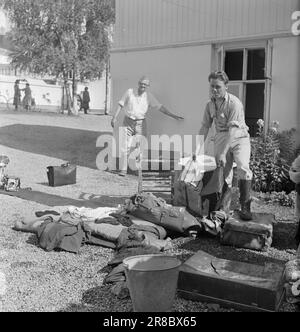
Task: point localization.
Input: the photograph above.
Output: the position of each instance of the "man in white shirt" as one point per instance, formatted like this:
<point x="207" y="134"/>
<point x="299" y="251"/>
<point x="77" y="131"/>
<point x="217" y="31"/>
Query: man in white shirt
<point x="136" y="103"/>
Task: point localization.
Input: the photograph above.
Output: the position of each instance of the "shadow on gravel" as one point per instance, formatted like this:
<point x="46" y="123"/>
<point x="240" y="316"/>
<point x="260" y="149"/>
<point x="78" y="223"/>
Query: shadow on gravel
<point x="100" y="299"/>
<point x="214" y="248"/>
<point x="55" y="200"/>
<point x="73" y="145"/>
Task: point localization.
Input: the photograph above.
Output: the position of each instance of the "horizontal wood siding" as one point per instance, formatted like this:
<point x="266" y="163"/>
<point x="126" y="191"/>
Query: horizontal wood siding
<point x="142" y="23"/>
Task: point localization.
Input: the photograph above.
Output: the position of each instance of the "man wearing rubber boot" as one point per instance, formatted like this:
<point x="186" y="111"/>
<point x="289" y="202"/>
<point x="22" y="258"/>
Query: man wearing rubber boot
<point x="232" y="140"/>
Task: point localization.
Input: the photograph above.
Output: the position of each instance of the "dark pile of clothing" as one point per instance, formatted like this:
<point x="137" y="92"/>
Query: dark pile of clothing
<point x="134" y="241"/>
<point x="140" y="227"/>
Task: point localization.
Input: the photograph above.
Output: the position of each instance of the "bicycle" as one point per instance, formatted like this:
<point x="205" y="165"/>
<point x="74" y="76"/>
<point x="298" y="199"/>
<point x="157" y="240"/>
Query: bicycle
<point x="6" y="102"/>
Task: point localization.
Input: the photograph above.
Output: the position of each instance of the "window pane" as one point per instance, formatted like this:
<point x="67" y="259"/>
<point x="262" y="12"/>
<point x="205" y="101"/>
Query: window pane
<point x="255" y="102"/>
<point x="256" y="64"/>
<point x="234" y="65"/>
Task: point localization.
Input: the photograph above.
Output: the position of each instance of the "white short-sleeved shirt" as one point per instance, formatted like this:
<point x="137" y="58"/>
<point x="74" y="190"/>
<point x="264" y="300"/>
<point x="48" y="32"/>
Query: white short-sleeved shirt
<point x="136" y="106"/>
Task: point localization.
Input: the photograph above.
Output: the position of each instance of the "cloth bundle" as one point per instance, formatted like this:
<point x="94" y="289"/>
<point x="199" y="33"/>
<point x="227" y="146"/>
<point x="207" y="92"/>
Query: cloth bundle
<point x="153" y="209"/>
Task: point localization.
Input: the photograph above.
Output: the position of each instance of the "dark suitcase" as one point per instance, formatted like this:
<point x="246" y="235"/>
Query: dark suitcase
<point x="237" y="285"/>
<point x="256" y="234"/>
<point x="61" y="175"/>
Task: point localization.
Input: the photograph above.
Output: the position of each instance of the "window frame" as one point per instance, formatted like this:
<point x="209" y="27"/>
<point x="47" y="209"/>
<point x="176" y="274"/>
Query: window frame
<point x="219" y="64"/>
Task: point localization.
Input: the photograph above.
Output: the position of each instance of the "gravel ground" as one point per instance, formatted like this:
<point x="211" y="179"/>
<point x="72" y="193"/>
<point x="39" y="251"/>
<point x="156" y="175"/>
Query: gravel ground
<point x="37" y="281"/>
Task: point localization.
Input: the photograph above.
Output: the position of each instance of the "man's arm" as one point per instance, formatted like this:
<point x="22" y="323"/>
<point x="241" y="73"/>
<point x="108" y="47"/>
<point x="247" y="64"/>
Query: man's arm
<point x="203" y="132"/>
<point x="154" y="103"/>
<point x="114" y="119"/>
<point x="236" y="117"/>
<point x="221" y="157"/>
<point x="121" y="105"/>
<point x="165" y="111"/>
<point x="202" y="136"/>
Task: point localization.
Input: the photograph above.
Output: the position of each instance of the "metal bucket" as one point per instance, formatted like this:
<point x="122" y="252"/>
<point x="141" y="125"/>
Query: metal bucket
<point x="152" y="281"/>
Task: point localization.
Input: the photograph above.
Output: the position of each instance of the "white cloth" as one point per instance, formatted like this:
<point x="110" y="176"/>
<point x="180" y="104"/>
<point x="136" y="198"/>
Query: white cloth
<point x="90" y="215"/>
<point x="135" y="106"/>
<point x="194" y="170"/>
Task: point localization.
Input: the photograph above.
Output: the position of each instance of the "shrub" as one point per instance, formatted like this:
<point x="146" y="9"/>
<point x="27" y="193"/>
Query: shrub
<point x="280" y="198"/>
<point x="288" y="145"/>
<point x="270" y="170"/>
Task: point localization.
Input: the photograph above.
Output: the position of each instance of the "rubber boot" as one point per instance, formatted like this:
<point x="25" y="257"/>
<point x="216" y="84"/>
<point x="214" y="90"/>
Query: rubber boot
<point x="225" y="202"/>
<point x="245" y="200"/>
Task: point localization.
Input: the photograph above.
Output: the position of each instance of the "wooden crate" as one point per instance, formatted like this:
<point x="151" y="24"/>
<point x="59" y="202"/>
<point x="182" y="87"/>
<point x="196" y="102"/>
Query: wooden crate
<point x="157" y="175"/>
<point x="160" y="183"/>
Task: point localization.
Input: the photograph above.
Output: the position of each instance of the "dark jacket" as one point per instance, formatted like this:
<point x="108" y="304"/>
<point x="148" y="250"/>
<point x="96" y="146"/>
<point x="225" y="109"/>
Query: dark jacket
<point x="57" y="235"/>
<point x="86" y="99"/>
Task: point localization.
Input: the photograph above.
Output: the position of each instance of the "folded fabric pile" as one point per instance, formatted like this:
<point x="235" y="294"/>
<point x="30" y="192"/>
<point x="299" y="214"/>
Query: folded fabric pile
<point x="292" y="277"/>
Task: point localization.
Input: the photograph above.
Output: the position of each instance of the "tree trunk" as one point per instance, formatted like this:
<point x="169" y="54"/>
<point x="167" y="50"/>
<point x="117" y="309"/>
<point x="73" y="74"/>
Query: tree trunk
<point x="74" y="90"/>
<point x="68" y="96"/>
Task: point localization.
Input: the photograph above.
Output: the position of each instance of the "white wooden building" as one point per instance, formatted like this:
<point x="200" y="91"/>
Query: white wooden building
<point x="177" y="43"/>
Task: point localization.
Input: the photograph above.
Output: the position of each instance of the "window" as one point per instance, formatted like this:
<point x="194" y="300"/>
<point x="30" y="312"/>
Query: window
<point x="234" y="65"/>
<point x="249" y="70"/>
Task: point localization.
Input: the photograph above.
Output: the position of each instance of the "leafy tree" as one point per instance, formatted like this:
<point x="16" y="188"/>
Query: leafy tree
<point x="59" y="37"/>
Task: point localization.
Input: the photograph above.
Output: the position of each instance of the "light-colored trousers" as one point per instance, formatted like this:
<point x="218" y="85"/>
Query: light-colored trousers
<point x="239" y="152"/>
<point x="131" y="139"/>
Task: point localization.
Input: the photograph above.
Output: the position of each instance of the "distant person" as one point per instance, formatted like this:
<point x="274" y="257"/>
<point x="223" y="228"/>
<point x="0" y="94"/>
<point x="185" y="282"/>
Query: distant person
<point x="27" y="98"/>
<point x="136" y="103"/>
<point x="86" y="100"/>
<point x="17" y="95"/>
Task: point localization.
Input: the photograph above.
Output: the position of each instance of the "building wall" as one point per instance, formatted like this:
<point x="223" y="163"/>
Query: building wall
<point x="179" y="80"/>
<point x="285" y="98"/>
<point x="170" y="40"/>
<point x="46" y="96"/>
<point x="144" y="23"/>
<point x="97" y="91"/>
<point x="4" y="23"/>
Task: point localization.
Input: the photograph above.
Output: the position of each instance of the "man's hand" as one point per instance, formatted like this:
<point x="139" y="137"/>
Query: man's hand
<point x="221" y="160"/>
<point x="164" y="110"/>
<point x="113" y="122"/>
<point x="177" y="117"/>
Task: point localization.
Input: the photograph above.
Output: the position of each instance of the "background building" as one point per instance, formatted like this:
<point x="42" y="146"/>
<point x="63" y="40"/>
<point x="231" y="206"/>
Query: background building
<point x="178" y="42"/>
